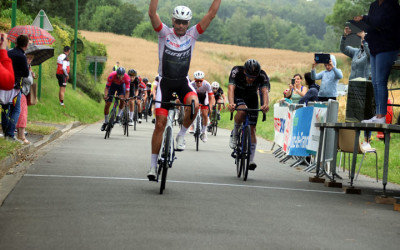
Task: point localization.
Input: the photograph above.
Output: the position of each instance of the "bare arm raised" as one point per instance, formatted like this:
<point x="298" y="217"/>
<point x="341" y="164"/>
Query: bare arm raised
<point x="212" y="12"/>
<point x="154" y="17"/>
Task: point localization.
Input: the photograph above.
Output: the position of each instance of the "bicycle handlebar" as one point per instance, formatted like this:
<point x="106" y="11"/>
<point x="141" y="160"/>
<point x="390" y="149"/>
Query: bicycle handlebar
<point x="178" y="104"/>
<point x="247" y="110"/>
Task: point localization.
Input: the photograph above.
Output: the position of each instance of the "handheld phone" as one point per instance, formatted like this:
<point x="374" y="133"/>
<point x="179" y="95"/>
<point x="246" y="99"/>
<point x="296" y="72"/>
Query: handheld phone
<point x="322" y="58"/>
<point x="293" y="81"/>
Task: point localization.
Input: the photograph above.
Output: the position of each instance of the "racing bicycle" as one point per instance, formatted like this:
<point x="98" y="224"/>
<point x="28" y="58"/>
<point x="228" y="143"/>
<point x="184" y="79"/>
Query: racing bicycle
<point x="243" y="145"/>
<point x="166" y="156"/>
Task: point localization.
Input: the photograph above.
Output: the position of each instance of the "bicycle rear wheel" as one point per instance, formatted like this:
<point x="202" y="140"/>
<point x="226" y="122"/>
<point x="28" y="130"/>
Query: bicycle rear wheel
<point x="238" y="159"/>
<point x="165" y="156"/>
<point x="246" y="152"/>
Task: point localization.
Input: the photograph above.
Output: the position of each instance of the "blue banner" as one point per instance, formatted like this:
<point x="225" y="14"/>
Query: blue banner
<point x="301" y="131"/>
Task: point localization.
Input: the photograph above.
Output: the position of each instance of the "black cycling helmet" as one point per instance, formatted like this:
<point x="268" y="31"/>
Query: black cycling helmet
<point x="120" y="71"/>
<point x="157" y="78"/>
<point x="252" y="67"/>
<point x="132" y="72"/>
<point x="145" y="80"/>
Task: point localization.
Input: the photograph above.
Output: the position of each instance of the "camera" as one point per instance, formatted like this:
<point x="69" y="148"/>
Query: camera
<point x="293" y="81"/>
<point x="322" y="58"/>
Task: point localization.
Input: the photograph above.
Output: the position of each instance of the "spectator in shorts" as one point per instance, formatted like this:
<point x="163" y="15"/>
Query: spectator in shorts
<point x="63" y="72"/>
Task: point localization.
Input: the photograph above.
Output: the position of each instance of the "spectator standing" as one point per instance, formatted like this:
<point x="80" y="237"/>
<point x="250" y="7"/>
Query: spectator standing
<point x="116" y="66"/>
<point x="23" y="117"/>
<point x="360" y="57"/>
<point x="313" y="89"/>
<point x="329" y="79"/>
<point x="360" y="65"/>
<point x="383" y="37"/>
<point x="62" y="73"/>
<point x="7" y="78"/>
<point x="11" y="99"/>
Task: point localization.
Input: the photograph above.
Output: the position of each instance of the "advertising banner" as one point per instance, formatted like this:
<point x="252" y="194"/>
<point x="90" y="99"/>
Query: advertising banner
<point x="301" y="127"/>
<point x="319" y="115"/>
<point x="280" y="117"/>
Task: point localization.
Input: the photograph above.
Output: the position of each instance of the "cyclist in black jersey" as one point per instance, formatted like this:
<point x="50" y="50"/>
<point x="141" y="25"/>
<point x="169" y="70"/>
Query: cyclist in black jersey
<point x="244" y="83"/>
<point x="175" y="52"/>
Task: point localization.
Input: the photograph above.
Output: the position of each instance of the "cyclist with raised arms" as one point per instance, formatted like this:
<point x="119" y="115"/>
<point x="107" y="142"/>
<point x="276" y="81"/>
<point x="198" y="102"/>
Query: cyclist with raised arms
<point x="244" y="83"/>
<point x="118" y="81"/>
<point x="206" y="96"/>
<point x="175" y="47"/>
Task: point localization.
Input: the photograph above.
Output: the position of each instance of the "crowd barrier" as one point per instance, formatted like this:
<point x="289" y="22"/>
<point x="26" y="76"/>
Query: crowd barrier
<point x="296" y="134"/>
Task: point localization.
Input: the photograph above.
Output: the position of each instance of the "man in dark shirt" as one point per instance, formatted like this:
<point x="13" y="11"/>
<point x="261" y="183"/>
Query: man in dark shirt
<point x="244" y="84"/>
<point x="11" y="109"/>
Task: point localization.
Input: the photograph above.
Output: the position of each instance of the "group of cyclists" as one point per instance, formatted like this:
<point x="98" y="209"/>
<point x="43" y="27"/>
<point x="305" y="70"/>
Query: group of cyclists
<point x="176" y="44"/>
<point x="126" y="85"/>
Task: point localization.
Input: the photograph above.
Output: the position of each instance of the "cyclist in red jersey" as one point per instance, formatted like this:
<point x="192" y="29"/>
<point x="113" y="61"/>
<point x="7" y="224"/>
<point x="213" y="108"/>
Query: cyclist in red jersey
<point x="118" y="81"/>
<point x="175" y="51"/>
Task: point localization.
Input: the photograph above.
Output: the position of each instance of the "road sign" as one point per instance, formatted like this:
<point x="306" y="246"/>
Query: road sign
<point x="46" y="23"/>
<point x="96" y="58"/>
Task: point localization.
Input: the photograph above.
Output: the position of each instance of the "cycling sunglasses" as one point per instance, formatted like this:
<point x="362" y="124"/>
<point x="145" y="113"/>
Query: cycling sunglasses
<point x="184" y="22"/>
<point x="250" y="76"/>
<point x="199" y="81"/>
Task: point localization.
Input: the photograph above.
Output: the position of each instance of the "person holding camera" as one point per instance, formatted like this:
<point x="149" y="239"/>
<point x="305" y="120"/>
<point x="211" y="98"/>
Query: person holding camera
<point x="383" y="37"/>
<point x="329" y="79"/>
<point x="297" y="90"/>
<point x="360" y="57"/>
<point x="360" y="65"/>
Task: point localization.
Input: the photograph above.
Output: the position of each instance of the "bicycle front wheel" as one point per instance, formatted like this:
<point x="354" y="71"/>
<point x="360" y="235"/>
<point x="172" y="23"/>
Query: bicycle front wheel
<point x="166" y="158"/>
<point x="135" y="116"/>
<point x="197" y="133"/>
<point x="246" y="152"/>
<point x="110" y="123"/>
<point x="126" y="121"/>
<point x="239" y="155"/>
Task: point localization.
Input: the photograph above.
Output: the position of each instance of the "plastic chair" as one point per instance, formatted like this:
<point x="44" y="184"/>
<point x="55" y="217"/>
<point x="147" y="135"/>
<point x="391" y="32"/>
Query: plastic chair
<point x="346" y="145"/>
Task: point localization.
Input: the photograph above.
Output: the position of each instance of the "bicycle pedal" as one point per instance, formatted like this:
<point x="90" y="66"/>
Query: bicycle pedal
<point x="233" y="154"/>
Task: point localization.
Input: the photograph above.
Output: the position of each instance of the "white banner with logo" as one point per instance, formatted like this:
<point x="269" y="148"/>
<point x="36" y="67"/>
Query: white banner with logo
<point x="280" y="118"/>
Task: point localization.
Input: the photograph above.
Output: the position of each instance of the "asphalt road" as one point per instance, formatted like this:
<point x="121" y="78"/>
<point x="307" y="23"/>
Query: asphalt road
<point x="84" y="192"/>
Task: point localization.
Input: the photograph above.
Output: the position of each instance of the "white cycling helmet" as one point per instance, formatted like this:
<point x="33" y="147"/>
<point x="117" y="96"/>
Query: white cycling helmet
<point x="182" y="13"/>
<point x="215" y="85"/>
<point x="199" y="75"/>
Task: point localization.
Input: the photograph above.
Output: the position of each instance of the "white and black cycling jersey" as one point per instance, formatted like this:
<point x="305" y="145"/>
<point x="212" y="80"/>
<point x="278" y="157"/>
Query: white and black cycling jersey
<point x="175" y="52"/>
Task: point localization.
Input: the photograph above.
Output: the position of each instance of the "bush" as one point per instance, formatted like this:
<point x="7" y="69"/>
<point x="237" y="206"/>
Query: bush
<point x="88" y="87"/>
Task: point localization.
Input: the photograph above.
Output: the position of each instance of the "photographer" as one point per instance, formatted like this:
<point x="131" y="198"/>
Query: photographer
<point x="360" y="57"/>
<point x="329" y="79"/>
<point x="297" y="89"/>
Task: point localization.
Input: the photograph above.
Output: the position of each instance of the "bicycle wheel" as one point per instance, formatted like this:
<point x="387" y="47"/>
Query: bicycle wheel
<point x="197" y="133"/>
<point x="135" y="116"/>
<point x="145" y="111"/>
<point x="238" y="150"/>
<point x="165" y="156"/>
<point x="110" y="123"/>
<point x="126" y="121"/>
<point x="246" y="152"/>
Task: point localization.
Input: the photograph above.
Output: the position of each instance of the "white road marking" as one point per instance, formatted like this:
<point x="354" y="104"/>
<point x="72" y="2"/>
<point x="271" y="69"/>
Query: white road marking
<point x="184" y="182"/>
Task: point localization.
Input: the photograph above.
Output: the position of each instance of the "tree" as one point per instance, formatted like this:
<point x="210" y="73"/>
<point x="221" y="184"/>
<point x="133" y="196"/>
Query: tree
<point x="344" y="10"/>
<point x="238" y="27"/>
<point x="145" y="30"/>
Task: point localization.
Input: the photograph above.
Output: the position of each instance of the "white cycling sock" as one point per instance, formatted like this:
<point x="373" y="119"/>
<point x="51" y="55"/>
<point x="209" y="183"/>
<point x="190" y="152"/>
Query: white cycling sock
<point x="105" y="118"/>
<point x="153" y="163"/>
<point x="203" y="129"/>
<point x="236" y="128"/>
<point x="253" y="151"/>
<point x="130" y="115"/>
<point x="182" y="132"/>
<point x="120" y="112"/>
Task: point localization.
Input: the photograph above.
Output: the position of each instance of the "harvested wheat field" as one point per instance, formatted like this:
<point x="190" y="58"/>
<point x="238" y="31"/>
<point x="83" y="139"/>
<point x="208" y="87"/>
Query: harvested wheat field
<point x="212" y="58"/>
<point x="216" y="60"/>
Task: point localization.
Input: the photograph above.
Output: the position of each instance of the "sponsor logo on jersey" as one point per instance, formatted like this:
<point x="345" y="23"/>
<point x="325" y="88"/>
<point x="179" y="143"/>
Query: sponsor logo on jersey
<point x="178" y="54"/>
<point x="177" y="45"/>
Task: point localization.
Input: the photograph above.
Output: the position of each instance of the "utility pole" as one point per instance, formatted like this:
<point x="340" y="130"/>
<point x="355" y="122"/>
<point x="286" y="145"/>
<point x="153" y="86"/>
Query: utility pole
<point x="75" y="42"/>
<point x="13" y="16"/>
